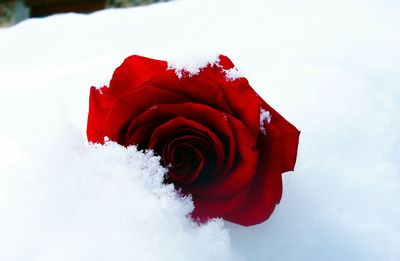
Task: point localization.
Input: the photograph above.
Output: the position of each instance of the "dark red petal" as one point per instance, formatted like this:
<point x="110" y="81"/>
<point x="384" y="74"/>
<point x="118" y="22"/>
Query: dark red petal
<point x="244" y="102"/>
<point x="241" y="99"/>
<point x="171" y="128"/>
<point x="244" y="169"/>
<point x="200" y="89"/>
<point x="266" y="189"/>
<point x="140" y="133"/>
<point x="133" y="72"/>
<point x="206" y="208"/>
<point x="131" y="105"/>
<point x="290" y="137"/>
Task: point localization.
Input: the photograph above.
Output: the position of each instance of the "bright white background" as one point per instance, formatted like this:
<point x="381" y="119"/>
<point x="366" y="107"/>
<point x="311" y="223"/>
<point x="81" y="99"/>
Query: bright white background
<point x="330" y="67"/>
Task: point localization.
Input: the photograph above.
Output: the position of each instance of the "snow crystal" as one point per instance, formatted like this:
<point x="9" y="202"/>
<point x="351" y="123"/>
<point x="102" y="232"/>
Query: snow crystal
<point x="264" y="116"/>
<point x="62" y="199"/>
<point x="191" y="65"/>
<point x="233" y="74"/>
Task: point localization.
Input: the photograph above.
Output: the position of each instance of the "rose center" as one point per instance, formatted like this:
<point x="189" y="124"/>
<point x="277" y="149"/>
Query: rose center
<point x="189" y="155"/>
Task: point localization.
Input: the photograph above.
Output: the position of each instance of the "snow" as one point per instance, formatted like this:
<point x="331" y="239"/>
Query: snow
<point x="331" y="68"/>
<point x="192" y="64"/>
<point x="233" y="74"/>
<point x="264" y="116"/>
<point x="85" y="206"/>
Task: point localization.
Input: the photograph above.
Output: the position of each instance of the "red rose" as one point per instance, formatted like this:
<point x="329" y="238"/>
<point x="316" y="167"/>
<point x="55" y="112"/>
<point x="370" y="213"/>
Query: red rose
<point x="222" y="143"/>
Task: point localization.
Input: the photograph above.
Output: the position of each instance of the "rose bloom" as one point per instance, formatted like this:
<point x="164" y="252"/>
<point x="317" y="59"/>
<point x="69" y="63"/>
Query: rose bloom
<point x="220" y="141"/>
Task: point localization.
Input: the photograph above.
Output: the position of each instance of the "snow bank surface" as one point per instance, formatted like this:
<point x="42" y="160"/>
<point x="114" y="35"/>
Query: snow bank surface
<point x="331" y="68"/>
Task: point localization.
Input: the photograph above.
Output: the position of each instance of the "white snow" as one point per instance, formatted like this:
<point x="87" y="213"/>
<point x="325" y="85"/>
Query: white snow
<point x="192" y="63"/>
<point x="98" y="203"/>
<point x="331" y="68"/>
<point x="264" y="116"/>
<point x="233" y="74"/>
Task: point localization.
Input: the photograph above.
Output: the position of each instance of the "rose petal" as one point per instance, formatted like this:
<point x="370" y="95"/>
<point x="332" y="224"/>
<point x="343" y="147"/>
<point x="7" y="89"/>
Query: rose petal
<point x="206" y="208"/>
<point x="225" y="62"/>
<point x="240" y="97"/>
<point x="244" y="168"/>
<point x="133" y="104"/>
<point x="244" y="102"/>
<point x="266" y="189"/>
<point x="99" y="106"/>
<point x="290" y="137"/>
<point x="133" y="72"/>
<point x="198" y="88"/>
<point x="140" y="134"/>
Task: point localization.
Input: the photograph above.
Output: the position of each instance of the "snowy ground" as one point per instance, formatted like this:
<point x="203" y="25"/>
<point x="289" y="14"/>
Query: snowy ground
<point x="330" y="67"/>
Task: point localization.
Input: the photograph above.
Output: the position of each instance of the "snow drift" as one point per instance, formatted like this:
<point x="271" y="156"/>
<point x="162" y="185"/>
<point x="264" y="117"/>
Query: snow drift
<point x="330" y="68"/>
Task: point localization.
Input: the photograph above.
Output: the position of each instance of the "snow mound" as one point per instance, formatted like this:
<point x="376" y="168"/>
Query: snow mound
<point x="77" y="202"/>
<point x="330" y="68"/>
